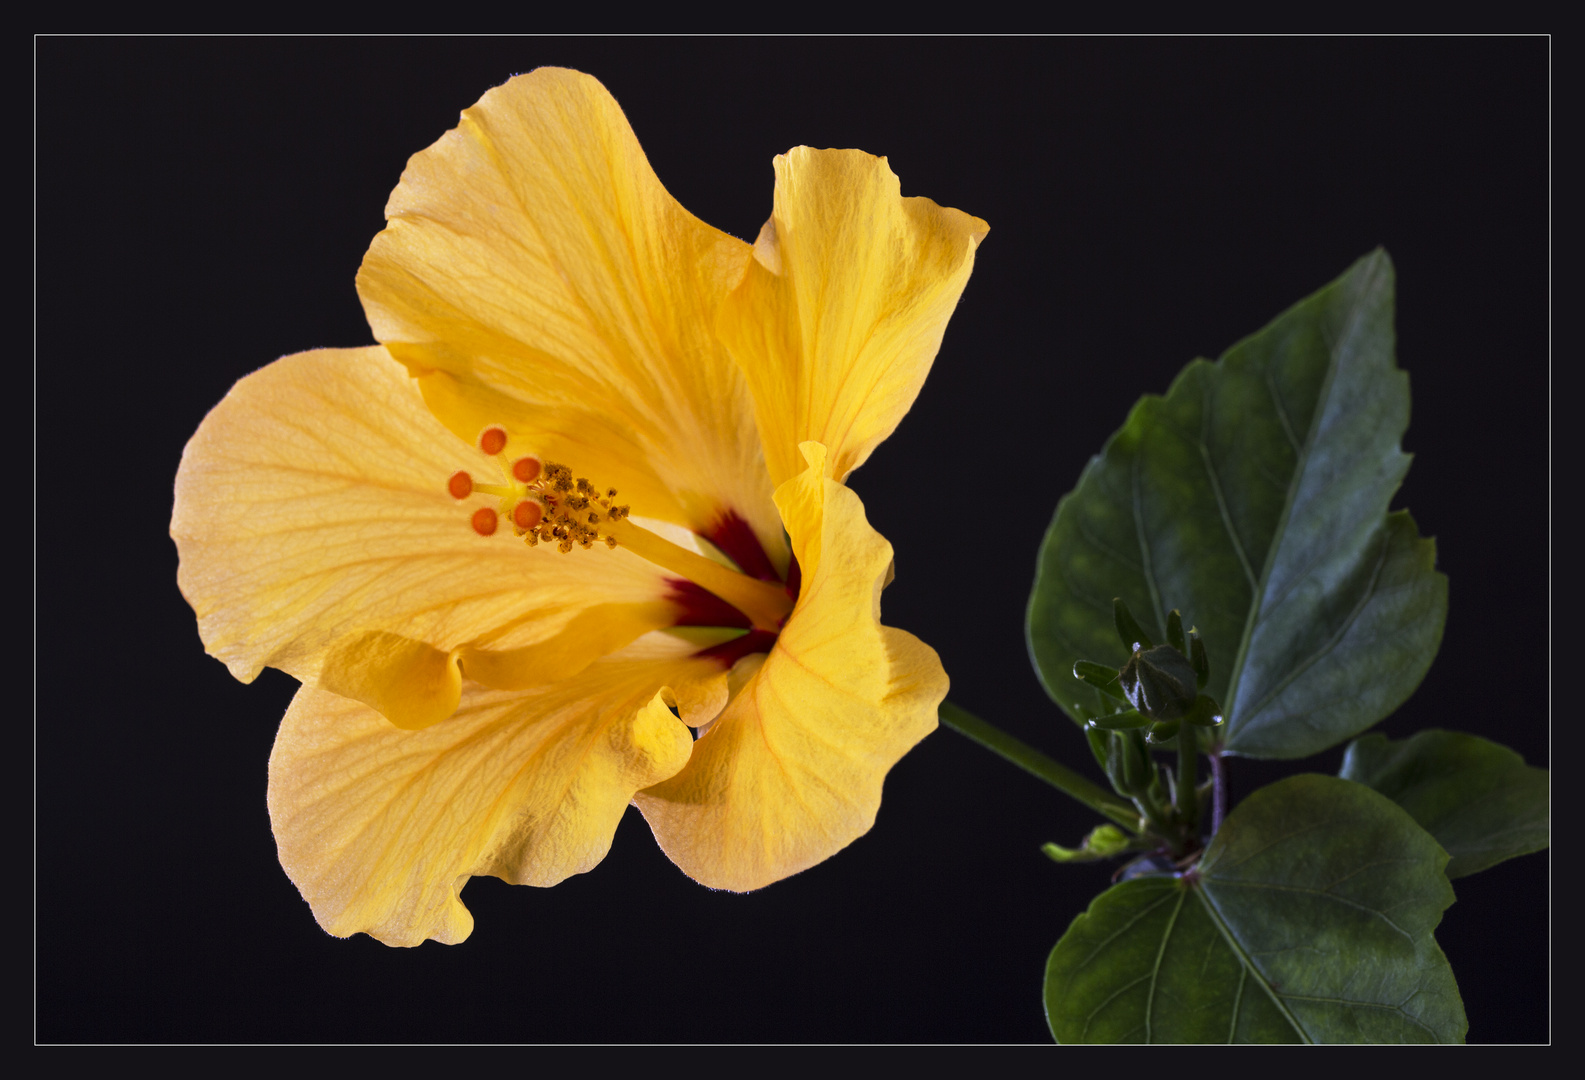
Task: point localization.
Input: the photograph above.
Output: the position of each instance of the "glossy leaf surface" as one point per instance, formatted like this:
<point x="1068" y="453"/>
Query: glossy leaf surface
<point x="1253" y="497"/>
<point x="1311" y="921"/>
<point x="1479" y="799"/>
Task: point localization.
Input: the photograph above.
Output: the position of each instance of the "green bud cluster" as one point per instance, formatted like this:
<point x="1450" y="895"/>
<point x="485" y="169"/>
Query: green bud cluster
<point x="1156" y="693"/>
<point x="1162" y="684"/>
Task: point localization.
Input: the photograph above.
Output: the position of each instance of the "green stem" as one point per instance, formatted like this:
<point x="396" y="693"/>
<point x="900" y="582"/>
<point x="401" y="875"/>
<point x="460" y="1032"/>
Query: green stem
<point x="1188" y="794"/>
<point x="1157" y="823"/>
<point x="1034" y="762"/>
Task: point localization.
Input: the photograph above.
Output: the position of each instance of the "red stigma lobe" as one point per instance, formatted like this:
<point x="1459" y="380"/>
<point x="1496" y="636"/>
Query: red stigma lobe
<point x="493" y="440"/>
<point x="527" y="514"/>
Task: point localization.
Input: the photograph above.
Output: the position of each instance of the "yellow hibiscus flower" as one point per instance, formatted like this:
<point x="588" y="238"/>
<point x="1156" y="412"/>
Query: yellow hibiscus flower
<point x="586" y="495"/>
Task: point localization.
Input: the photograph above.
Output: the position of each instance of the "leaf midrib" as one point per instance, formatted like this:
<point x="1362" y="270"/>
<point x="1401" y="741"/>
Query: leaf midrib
<point x="1249" y="966"/>
<point x="1331" y="643"/>
<point x="1366" y="293"/>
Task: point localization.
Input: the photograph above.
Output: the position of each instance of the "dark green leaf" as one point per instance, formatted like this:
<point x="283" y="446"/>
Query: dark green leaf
<point x="1310" y="921"/>
<point x="1253" y="497"/>
<point x="1480" y="800"/>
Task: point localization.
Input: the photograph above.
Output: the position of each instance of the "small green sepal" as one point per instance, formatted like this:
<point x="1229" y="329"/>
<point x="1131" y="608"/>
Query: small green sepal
<point x="1199" y="661"/>
<point x="1100" y="676"/>
<point x="1098" y="740"/>
<point x="1128" y="718"/>
<point x="1128" y="631"/>
<point x="1175" y="631"/>
<point x="1163" y="730"/>
<point x="1205" y="713"/>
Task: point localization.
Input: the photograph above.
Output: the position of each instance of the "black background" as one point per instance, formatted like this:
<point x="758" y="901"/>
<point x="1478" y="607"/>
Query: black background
<point x="203" y="205"/>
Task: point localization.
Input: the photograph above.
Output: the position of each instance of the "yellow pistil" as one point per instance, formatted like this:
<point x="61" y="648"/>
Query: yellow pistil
<point x="764" y="602"/>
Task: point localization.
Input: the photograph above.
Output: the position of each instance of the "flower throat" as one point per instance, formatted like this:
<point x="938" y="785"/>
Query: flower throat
<point x="543" y="502"/>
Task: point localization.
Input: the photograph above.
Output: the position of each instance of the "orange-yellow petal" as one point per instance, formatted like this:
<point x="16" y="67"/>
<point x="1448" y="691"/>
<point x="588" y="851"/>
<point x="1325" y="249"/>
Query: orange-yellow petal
<point x="595" y="632"/>
<point x="381" y="828"/>
<point x="791" y="771"/>
<point x="535" y="273"/>
<point x="413" y="685"/>
<point x="843" y="308"/>
<point x="312" y="514"/>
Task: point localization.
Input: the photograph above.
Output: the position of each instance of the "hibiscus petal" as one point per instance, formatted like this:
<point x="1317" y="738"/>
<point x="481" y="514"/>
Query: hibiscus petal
<point x="842" y="311"/>
<point x="311" y="510"/>
<point x="537" y="274"/>
<point x="791" y="771"/>
<point x="596" y="632"/>
<point x="381" y="828"/>
<point x="410" y="683"/>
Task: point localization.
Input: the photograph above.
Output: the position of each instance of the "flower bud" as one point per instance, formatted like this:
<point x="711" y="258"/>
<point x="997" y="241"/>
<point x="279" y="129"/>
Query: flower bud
<point x="1103" y="842"/>
<point x="1128" y="763"/>
<point x="1159" y="682"/>
<point x="1198" y="660"/>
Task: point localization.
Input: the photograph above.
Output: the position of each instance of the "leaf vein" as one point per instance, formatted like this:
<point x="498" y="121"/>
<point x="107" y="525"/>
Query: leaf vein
<point x="1216" y="482"/>
<point x="1144" y="548"/>
<point x="1282" y="412"/>
<point x="1155" y="968"/>
<point x="1332" y="643"/>
<point x="1382" y="915"/>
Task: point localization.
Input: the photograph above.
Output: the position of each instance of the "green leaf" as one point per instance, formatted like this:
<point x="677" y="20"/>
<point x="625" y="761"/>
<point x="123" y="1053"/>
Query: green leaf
<point x="1253" y="497"/>
<point x="1480" y="800"/>
<point x="1310" y="919"/>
